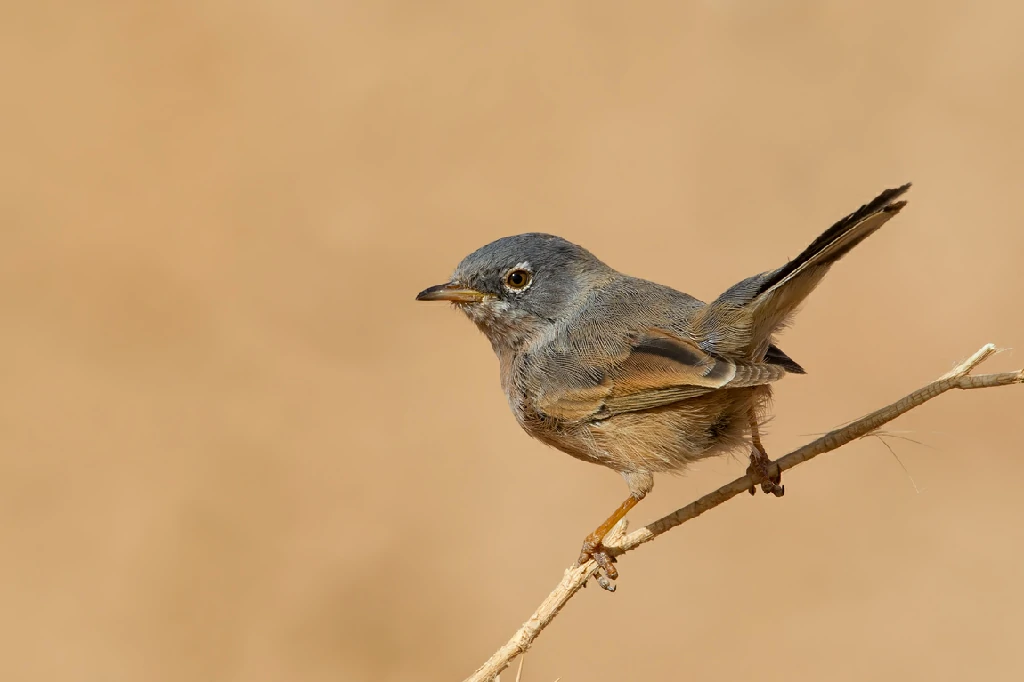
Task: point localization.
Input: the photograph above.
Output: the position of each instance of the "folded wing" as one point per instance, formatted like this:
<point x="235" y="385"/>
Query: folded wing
<point x="655" y="369"/>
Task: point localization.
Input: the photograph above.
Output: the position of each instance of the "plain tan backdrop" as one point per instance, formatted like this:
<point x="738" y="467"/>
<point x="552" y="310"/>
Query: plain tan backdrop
<point x="232" y="446"/>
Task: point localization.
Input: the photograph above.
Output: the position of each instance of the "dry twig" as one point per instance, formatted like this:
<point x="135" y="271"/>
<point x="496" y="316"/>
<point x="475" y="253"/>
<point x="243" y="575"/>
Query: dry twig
<point x="576" y="578"/>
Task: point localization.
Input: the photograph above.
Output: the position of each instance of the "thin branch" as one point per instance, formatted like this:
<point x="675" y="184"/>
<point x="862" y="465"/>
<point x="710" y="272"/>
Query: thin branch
<point x="576" y="578"/>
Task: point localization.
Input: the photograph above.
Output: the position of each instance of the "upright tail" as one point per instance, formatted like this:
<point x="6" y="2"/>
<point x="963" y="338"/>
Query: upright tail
<point x="758" y="306"/>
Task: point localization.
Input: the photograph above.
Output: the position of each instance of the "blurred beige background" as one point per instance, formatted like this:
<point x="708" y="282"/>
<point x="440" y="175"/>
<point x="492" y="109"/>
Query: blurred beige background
<point x="232" y="446"/>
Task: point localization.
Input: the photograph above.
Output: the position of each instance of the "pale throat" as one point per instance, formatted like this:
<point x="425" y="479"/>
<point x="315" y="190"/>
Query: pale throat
<point x="504" y="326"/>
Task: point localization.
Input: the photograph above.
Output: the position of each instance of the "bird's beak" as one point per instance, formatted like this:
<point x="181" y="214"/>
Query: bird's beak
<point x="451" y="292"/>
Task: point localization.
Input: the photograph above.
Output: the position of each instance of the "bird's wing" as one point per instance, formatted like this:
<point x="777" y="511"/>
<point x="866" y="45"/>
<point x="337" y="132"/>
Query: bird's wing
<point x="655" y="368"/>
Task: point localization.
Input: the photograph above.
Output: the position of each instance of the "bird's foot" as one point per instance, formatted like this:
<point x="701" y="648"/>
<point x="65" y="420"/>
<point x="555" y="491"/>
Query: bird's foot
<point x="605" y="572"/>
<point x="760" y="467"/>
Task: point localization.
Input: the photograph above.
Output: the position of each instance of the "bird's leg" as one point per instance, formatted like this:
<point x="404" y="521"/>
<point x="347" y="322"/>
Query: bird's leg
<point x="760" y="464"/>
<point x="592" y="548"/>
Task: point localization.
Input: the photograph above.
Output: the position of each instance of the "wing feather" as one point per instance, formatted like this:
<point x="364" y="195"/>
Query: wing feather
<point x="657" y="368"/>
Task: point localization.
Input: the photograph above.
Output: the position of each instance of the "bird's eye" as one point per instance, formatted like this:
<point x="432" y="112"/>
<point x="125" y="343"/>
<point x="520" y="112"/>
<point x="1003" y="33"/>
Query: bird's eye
<point x="518" y="279"/>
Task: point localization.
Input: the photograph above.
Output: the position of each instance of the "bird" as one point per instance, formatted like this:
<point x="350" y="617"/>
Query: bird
<point x="634" y="375"/>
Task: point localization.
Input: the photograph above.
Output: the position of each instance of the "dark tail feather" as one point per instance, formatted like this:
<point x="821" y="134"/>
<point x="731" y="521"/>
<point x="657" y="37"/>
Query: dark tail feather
<point x="883" y="203"/>
<point x="775" y="356"/>
<point x="744" y="318"/>
<point x="780" y="292"/>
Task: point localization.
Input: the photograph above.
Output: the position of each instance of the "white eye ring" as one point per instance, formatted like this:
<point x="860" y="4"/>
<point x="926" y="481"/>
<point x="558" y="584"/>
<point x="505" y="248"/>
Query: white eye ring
<point x="518" y="279"/>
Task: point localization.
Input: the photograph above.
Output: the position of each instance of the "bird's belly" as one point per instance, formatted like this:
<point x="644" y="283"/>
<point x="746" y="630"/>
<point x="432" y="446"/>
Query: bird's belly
<point x="662" y="439"/>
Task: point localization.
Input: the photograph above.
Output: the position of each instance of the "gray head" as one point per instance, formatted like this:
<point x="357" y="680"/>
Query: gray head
<point x="517" y="286"/>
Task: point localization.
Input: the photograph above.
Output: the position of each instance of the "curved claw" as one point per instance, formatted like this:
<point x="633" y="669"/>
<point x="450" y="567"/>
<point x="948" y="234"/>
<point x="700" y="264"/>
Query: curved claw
<point x="760" y="466"/>
<point x="603" y="581"/>
<point x="593" y="549"/>
<point x="605" y="572"/>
